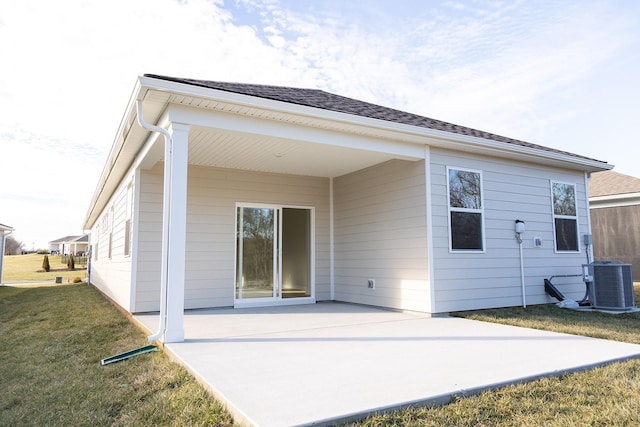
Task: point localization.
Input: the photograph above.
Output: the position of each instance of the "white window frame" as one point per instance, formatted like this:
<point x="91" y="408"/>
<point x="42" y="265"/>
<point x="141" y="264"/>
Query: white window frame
<point x="451" y="209"/>
<point x="555" y="216"/>
<point x="277" y="298"/>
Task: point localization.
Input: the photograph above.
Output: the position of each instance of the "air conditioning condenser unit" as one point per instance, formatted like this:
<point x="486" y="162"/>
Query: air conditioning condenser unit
<point x="612" y="286"/>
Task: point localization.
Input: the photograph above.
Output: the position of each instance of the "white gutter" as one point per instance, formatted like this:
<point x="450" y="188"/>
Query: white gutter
<point x="164" y="275"/>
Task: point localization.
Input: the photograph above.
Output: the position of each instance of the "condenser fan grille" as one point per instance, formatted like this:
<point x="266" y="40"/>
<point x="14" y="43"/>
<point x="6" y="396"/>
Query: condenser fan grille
<point x="612" y="286"/>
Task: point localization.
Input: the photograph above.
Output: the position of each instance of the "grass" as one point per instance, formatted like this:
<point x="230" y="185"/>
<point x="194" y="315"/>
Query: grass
<point x="53" y="339"/>
<point x="19" y="268"/>
<point x="50" y="372"/>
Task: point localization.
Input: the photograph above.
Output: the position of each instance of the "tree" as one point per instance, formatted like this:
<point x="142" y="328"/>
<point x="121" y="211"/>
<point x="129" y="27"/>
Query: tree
<point x="13" y="246"/>
<point x="45" y="264"/>
<point x="71" y="263"/>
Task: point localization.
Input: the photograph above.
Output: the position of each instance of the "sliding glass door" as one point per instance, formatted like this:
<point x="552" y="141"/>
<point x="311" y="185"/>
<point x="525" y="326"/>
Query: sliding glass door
<point x="273" y="253"/>
<point x="256" y="249"/>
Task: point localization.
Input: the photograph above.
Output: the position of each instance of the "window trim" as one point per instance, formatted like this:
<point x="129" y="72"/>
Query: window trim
<point x="468" y="210"/>
<point x="554" y="216"/>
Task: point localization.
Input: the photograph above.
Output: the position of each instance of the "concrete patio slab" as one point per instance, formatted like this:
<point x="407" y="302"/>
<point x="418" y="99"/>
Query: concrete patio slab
<point x="331" y="362"/>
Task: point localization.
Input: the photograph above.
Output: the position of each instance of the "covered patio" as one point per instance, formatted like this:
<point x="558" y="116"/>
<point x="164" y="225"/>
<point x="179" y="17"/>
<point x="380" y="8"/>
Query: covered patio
<point x="331" y="362"/>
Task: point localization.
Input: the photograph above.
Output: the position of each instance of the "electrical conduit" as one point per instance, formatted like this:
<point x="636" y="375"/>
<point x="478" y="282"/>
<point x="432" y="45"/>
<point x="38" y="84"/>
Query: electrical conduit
<point x="164" y="279"/>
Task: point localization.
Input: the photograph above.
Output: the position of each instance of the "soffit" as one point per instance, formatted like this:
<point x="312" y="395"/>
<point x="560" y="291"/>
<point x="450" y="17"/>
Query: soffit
<point x="243" y="150"/>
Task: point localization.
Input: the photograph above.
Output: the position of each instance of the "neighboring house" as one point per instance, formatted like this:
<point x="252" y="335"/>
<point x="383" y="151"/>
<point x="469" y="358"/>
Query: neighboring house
<point x="76" y="245"/>
<point x="279" y="195"/>
<point x="614" y="200"/>
<point x="5" y="230"/>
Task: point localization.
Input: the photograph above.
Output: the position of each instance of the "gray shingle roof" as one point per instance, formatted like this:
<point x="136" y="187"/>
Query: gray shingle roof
<point x="609" y="183"/>
<point x="328" y="101"/>
<point x="71" y="239"/>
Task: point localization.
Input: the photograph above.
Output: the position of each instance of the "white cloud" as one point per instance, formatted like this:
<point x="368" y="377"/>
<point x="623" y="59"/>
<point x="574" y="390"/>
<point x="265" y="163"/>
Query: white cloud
<point x="518" y="68"/>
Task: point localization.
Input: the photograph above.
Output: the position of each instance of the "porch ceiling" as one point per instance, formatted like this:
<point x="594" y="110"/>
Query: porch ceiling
<point x="238" y="150"/>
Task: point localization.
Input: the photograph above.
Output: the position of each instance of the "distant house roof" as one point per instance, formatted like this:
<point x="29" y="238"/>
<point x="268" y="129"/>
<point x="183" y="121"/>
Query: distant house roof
<point x="71" y="239"/>
<point x="331" y="102"/>
<point x="609" y="183"/>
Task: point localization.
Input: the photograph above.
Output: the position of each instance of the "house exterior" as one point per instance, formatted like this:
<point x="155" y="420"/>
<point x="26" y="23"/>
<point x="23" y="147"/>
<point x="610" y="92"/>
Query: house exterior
<point x="75" y="245"/>
<point x="614" y="201"/>
<point x="266" y="195"/>
<point x="5" y="230"/>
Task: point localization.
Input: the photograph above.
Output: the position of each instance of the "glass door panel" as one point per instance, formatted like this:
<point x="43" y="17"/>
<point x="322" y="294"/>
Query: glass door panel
<point x="296" y="253"/>
<point x="256" y="253"/>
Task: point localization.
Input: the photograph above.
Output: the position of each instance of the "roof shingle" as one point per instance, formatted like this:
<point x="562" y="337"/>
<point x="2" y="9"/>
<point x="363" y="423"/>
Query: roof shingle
<point x="328" y="101"/>
<point x="610" y="183"/>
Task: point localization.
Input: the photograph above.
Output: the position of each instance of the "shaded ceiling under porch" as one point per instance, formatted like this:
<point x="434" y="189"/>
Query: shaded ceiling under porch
<point x="262" y="153"/>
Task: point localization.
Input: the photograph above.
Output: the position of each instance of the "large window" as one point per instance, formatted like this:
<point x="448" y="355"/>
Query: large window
<point x="565" y="217"/>
<point x="464" y="188"/>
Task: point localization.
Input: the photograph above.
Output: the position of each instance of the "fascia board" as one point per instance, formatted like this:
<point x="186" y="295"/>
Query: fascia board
<point x="425" y="136"/>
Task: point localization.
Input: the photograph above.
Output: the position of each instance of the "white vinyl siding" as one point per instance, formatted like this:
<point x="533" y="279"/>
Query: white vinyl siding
<point x="212" y="195"/>
<point x="380" y="234"/>
<point x="110" y="269"/>
<point x="511" y="190"/>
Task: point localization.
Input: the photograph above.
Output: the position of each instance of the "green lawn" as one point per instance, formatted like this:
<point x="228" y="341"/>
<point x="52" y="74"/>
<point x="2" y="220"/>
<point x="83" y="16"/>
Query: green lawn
<point x="53" y="338"/>
<point x="19" y="268"/>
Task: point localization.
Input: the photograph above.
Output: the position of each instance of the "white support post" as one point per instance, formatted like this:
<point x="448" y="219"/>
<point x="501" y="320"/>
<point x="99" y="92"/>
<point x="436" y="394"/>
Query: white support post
<point x="177" y="232"/>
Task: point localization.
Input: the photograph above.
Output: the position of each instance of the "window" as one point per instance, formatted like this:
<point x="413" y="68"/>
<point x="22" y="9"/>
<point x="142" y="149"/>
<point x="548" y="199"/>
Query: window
<point x="565" y="217"/>
<point x="127" y="224"/>
<point x="464" y="188"/>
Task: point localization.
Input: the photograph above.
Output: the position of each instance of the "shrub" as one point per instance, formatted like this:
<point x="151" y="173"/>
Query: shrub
<point x="45" y="263"/>
<point x="71" y="264"/>
<point x="77" y="280"/>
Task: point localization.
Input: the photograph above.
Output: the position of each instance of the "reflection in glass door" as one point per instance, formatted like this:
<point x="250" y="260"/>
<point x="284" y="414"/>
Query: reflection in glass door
<point x="273" y="253"/>
<point x="255" y="275"/>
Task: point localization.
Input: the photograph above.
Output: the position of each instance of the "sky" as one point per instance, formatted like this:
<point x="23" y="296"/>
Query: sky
<point x="563" y="74"/>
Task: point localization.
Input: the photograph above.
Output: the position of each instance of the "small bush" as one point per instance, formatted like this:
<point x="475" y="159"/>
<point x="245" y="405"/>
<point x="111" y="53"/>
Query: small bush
<point x="45" y="264"/>
<point x="71" y="263"/>
<point x="77" y="280"/>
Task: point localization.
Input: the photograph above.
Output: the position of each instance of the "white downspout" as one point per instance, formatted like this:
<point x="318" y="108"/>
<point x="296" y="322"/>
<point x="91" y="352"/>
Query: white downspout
<point x="164" y="281"/>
